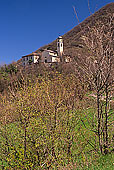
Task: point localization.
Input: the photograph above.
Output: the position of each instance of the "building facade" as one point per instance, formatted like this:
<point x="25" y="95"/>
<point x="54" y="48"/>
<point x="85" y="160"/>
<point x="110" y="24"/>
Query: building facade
<point x="31" y="58"/>
<point x="49" y="56"/>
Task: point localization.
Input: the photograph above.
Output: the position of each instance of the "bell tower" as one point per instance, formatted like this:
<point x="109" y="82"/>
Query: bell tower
<point x="60" y="46"/>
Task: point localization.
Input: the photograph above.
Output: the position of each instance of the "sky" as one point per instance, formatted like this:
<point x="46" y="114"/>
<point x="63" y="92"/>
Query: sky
<point x="26" y="25"/>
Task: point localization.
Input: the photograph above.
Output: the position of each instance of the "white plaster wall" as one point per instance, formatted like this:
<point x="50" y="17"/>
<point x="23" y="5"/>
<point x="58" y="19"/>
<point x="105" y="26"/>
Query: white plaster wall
<point x="55" y="59"/>
<point x="52" y="54"/>
<point x="60" y="47"/>
<point x="67" y="60"/>
<point x="35" y="59"/>
<point x="47" y="55"/>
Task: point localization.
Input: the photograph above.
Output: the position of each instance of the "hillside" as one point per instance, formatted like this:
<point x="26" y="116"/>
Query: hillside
<point x="62" y="117"/>
<point x="73" y="43"/>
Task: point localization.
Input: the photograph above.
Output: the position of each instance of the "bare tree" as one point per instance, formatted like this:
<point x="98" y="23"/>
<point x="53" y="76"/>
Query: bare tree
<point x="99" y="70"/>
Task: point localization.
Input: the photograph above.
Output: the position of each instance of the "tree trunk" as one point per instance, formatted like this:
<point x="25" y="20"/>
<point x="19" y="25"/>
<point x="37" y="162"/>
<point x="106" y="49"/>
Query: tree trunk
<point x="99" y="120"/>
<point x="106" y="122"/>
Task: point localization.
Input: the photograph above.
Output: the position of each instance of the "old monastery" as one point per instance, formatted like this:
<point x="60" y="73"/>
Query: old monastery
<point x="47" y="56"/>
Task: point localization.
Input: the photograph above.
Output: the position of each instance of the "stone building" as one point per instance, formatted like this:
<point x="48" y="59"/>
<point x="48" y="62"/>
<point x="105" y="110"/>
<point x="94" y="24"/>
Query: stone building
<point x="31" y="58"/>
<point x="48" y="56"/>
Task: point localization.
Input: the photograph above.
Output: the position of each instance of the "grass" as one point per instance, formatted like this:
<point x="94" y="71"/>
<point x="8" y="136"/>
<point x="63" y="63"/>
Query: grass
<point x="105" y="162"/>
<point x="85" y="159"/>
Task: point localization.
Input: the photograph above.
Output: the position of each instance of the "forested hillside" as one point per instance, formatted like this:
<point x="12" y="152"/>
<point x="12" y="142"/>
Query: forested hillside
<point x="62" y="117"/>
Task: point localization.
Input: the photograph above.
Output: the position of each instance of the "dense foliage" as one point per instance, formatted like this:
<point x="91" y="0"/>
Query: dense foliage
<point x="49" y="123"/>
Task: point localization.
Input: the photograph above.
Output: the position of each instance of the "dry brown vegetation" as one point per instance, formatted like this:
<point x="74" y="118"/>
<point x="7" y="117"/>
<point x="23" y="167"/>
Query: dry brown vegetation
<point x="63" y="116"/>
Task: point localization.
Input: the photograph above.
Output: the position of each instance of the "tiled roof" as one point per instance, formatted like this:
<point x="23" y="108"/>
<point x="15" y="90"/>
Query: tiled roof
<point x="32" y="54"/>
